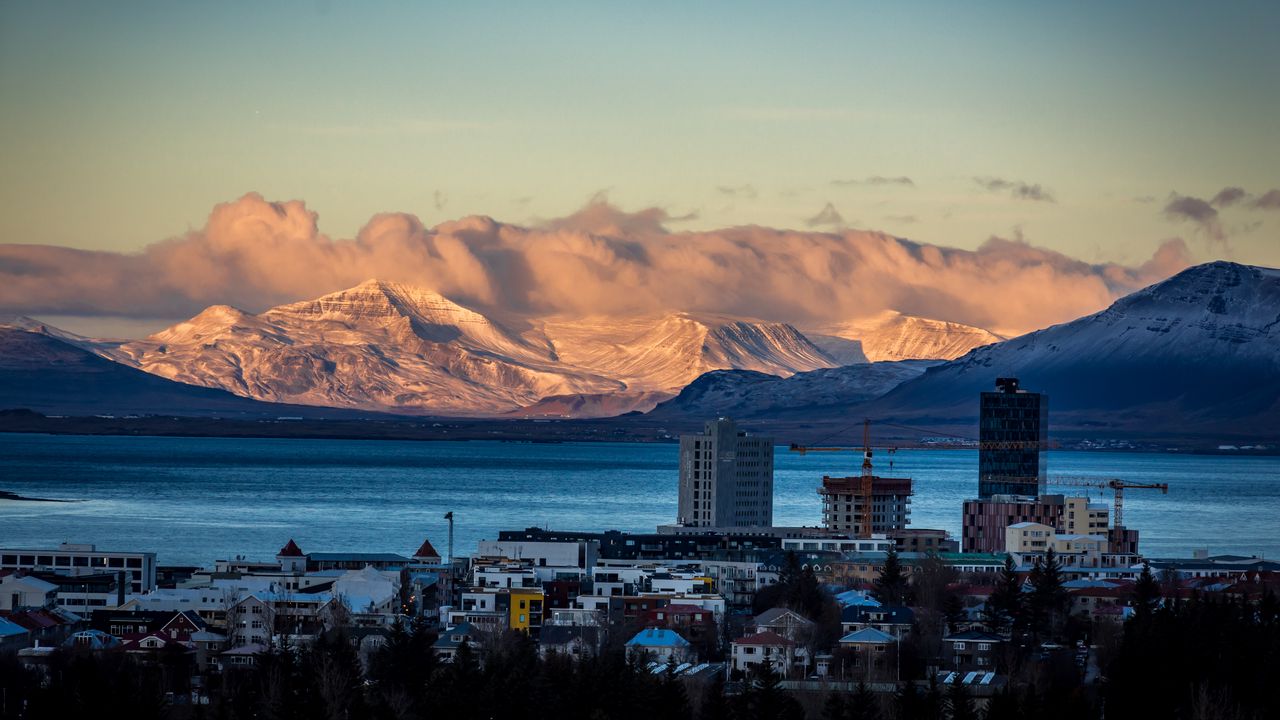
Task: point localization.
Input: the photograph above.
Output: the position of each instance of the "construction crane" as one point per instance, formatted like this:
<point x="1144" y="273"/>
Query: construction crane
<point x="865" y="481"/>
<point x="1116" y="484"/>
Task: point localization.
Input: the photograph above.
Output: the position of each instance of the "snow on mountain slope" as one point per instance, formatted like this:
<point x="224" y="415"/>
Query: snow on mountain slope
<point x="748" y="394"/>
<point x="377" y="346"/>
<point x="1204" y="345"/>
<point x="387" y="346"/>
<point x="893" y="336"/>
<point x="668" y="352"/>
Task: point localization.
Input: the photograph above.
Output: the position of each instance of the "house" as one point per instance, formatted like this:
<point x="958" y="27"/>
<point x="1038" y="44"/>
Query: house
<point x="24" y="591"/>
<point x="972" y="650"/>
<point x="427" y="554"/>
<point x="208" y="645"/>
<point x="13" y="636"/>
<point x="764" y="647"/>
<point x="241" y="657"/>
<point x="785" y="622"/>
<point x="91" y="641"/>
<point x="694" y="623"/>
<point x="446" y="646"/>
<point x="895" y="620"/>
<point x="871" y="655"/>
<point x="150" y="645"/>
<point x="575" y="641"/>
<point x="660" y="645"/>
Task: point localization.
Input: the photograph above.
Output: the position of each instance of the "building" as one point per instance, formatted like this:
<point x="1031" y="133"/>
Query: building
<point x="1013" y="432"/>
<point x="17" y="592"/>
<point x="79" y="559"/>
<point x="894" y="620"/>
<point x="872" y="655"/>
<point x="1028" y="537"/>
<point x="726" y="478"/>
<point x="765" y="647"/>
<point x="660" y="645"/>
<point x="842" y="505"/>
<point x="985" y="520"/>
<point x="923" y="540"/>
<point x="972" y="650"/>
<point x="671" y="542"/>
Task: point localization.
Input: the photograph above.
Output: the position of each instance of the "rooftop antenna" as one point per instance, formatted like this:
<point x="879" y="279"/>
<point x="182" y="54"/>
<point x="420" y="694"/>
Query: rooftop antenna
<point x="449" y="516"/>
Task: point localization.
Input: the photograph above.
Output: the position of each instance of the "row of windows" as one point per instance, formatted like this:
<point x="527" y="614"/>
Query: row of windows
<point x="70" y="561"/>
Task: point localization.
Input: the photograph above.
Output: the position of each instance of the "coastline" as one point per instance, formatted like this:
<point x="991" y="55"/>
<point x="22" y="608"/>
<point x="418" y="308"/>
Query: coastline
<point x="627" y="429"/>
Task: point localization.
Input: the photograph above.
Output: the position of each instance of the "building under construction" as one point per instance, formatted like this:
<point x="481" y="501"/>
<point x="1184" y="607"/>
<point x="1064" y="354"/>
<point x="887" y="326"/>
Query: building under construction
<point x="844" y="500"/>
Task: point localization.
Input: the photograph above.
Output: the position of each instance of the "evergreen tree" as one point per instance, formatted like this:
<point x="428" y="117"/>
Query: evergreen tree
<point x="954" y="610"/>
<point x="1146" y="594"/>
<point x="1049" y="601"/>
<point x="890" y="586"/>
<point x="907" y="702"/>
<point x="1002" y="706"/>
<point x="764" y="698"/>
<point x="714" y="705"/>
<point x="1004" y="608"/>
<point x="864" y="705"/>
<point x="835" y="708"/>
<point x="960" y="704"/>
<point x="933" y="705"/>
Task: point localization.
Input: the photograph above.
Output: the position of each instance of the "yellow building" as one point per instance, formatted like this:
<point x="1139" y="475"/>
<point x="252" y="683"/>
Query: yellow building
<point x="525" y="608"/>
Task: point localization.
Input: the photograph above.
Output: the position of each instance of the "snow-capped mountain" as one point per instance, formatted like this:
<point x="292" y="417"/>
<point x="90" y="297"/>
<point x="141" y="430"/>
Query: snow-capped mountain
<point x="48" y="370"/>
<point x="746" y="394"/>
<point x="668" y="352"/>
<point x="377" y="346"/>
<point x="1203" y="345"/>
<point x="392" y="347"/>
<point x="893" y="336"/>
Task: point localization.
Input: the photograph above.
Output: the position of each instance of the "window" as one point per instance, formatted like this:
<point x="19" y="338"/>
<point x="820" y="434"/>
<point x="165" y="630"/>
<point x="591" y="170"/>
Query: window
<point x="984" y="646"/>
<point x="959" y="646"/>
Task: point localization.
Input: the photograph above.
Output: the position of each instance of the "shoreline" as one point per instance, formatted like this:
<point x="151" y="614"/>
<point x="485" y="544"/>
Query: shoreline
<point x="8" y="495"/>
<point x="626" y="429"/>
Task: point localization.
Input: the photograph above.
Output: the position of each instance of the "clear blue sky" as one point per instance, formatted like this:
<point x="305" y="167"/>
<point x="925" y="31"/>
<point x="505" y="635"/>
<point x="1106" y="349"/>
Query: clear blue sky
<point x="122" y="123"/>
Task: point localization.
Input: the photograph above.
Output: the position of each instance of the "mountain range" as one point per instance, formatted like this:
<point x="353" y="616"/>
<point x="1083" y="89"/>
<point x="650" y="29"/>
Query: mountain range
<point x="1201" y="349"/>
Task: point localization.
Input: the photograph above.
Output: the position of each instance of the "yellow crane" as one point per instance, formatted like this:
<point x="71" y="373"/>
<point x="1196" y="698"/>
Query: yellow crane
<point x="1116" y="484"/>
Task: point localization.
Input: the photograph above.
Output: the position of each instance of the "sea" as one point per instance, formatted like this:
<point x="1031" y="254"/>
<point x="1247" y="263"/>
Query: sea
<point x="194" y="500"/>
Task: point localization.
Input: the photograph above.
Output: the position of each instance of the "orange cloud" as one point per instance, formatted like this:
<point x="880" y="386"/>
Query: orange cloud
<point x="601" y="260"/>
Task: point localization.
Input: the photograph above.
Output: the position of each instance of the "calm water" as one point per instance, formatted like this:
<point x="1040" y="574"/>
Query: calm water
<point x="192" y="500"/>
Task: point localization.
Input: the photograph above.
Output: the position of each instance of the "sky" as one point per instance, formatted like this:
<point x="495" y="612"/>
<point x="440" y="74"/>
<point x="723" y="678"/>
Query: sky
<point x="1098" y="131"/>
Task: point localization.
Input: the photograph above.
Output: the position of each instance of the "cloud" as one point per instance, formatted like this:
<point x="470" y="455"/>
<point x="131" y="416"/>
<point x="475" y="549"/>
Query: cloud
<point x="741" y="191"/>
<point x="1185" y="207"/>
<point x="877" y="180"/>
<point x="601" y="260"/>
<point x="826" y="216"/>
<point x="1017" y="189"/>
<point x="1270" y="200"/>
<point x="1228" y="196"/>
<point x="1199" y="211"/>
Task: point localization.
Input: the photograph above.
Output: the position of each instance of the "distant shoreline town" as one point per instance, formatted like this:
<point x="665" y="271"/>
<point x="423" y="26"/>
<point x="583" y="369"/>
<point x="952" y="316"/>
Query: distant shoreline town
<point x="858" y="610"/>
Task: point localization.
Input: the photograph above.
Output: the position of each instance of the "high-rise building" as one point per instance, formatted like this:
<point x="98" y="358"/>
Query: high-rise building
<point x="1013" y="430"/>
<point x="843" y="511"/>
<point x="726" y="478"/>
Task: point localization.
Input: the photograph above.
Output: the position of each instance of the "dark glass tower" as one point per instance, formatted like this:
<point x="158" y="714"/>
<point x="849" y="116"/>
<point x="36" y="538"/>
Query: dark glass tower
<point x="1013" y="431"/>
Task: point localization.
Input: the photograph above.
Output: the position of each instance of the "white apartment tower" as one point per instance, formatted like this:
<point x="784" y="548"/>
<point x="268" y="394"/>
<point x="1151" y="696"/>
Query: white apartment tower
<point x="726" y="478"/>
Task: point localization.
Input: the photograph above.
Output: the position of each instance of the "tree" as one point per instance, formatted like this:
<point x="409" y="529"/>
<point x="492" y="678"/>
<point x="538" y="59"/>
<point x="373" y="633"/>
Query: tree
<point x="1004" y="608"/>
<point x="864" y="705"/>
<point x="764" y="698"/>
<point x="1146" y="594"/>
<point x="1049" y="601"/>
<point x="835" y="707"/>
<point x="891" y="587"/>
<point x="960" y="704"/>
